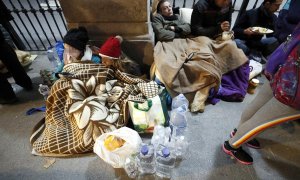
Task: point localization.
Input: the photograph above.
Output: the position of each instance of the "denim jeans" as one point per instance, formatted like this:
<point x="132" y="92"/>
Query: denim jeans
<point x="265" y="42"/>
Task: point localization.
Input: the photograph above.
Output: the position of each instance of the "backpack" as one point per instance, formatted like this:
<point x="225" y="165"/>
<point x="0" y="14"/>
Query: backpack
<point x="285" y="83"/>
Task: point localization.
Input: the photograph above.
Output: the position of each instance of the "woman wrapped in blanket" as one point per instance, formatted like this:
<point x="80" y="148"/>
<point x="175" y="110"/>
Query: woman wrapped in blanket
<point x="76" y="49"/>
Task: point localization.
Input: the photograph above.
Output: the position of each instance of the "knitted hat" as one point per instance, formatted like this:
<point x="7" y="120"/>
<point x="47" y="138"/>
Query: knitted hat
<point x="77" y="38"/>
<point x="112" y="47"/>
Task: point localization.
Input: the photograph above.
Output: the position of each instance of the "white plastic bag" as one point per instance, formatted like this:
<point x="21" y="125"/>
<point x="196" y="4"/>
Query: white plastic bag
<point x="148" y="114"/>
<point x="117" y="157"/>
<point x="255" y="69"/>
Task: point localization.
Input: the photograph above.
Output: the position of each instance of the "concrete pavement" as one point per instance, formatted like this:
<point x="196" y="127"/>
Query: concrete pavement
<point x="279" y="158"/>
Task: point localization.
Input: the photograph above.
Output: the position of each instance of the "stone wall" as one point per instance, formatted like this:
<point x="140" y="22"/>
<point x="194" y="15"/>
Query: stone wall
<point x="104" y="18"/>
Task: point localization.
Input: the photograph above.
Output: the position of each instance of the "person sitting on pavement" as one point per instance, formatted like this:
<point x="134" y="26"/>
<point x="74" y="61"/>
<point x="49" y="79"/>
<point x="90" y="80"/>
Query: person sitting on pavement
<point x="288" y="19"/>
<point x="211" y="17"/>
<point x="13" y="65"/>
<point x="247" y="39"/>
<point x="167" y="25"/>
<point x="76" y="48"/>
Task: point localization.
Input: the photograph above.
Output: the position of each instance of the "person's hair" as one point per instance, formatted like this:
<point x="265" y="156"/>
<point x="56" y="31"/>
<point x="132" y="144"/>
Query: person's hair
<point x="159" y="4"/>
<point x="270" y="1"/>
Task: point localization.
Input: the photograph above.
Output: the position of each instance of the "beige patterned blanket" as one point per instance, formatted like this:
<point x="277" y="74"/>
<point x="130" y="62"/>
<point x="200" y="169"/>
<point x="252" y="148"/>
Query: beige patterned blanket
<point x="82" y="105"/>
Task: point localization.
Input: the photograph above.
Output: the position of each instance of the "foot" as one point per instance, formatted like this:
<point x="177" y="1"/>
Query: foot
<point x="239" y="154"/>
<point x="252" y="143"/>
<point x="197" y="107"/>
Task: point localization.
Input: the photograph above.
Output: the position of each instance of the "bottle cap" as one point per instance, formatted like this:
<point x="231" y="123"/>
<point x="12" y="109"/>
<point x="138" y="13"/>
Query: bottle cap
<point x="144" y="149"/>
<point x="165" y="152"/>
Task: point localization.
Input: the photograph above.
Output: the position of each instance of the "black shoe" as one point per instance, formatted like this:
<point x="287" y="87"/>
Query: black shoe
<point x="8" y="101"/>
<point x="253" y="143"/>
<point x="239" y="154"/>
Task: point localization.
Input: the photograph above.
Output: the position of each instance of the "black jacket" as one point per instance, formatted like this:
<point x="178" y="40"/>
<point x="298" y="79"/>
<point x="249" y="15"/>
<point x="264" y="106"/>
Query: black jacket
<point x="5" y="15"/>
<point x="207" y="17"/>
<point x="251" y="18"/>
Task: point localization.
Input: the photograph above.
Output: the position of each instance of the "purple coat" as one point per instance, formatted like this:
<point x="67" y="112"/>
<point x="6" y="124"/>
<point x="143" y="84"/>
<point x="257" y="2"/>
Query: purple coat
<point x="279" y="56"/>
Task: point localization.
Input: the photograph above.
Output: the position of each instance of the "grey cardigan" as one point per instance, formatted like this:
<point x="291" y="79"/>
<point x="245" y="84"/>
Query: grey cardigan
<point x="162" y="31"/>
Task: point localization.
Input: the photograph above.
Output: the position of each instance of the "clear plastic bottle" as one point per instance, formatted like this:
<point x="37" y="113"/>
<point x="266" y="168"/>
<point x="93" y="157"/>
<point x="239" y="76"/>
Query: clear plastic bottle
<point x="146" y="160"/>
<point x="158" y="133"/>
<point x="44" y="90"/>
<point x="52" y="57"/>
<point x="178" y="121"/>
<point x="165" y="162"/>
<point x="161" y="135"/>
<point x="131" y="167"/>
<point x="179" y="101"/>
<point x="180" y="145"/>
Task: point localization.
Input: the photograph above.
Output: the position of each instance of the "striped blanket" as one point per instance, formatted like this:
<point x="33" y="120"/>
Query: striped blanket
<point x="87" y="101"/>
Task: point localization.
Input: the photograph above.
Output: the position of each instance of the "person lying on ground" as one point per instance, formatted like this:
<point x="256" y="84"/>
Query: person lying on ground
<point x="167" y="25"/>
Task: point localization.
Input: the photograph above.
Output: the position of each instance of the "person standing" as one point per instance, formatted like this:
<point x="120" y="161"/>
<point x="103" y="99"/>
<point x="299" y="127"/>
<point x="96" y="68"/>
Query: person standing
<point x="11" y="62"/>
<point x="267" y="109"/>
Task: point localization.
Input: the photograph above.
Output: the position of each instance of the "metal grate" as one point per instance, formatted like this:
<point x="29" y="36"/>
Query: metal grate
<point x="39" y="24"/>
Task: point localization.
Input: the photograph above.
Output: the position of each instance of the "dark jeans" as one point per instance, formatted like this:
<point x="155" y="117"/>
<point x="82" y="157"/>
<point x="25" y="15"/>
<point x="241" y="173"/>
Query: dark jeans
<point x="10" y="60"/>
<point x="266" y="45"/>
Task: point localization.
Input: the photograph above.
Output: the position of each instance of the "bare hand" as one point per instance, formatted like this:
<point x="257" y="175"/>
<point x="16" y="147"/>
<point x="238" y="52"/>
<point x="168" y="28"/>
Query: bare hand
<point x="172" y="28"/>
<point x="249" y="32"/>
<point x="225" y="26"/>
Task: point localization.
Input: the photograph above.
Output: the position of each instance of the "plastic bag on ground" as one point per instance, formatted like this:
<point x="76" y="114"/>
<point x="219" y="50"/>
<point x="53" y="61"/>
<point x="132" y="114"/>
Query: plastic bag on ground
<point x="117" y="157"/>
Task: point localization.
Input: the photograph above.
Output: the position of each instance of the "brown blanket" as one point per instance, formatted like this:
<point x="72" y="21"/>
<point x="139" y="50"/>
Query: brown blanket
<point x="190" y="65"/>
<point x="82" y="106"/>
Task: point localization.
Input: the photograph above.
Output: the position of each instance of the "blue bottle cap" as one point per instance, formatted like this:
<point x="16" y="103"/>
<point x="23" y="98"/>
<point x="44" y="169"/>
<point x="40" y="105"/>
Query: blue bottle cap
<point x="165" y="152"/>
<point x="144" y="149"/>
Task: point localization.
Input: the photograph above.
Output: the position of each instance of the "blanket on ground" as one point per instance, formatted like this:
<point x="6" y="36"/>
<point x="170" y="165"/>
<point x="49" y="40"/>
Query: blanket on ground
<point x="188" y="65"/>
<point x="87" y="101"/>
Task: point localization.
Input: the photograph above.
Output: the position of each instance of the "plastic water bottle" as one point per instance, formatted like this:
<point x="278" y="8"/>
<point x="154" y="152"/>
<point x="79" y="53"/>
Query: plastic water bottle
<point x="179" y="101"/>
<point x="146" y="160"/>
<point x="131" y="167"/>
<point x="52" y="57"/>
<point x="161" y="135"/>
<point x="178" y="121"/>
<point x="165" y="162"/>
<point x="59" y="48"/>
<point x="180" y="146"/>
<point x="44" y="90"/>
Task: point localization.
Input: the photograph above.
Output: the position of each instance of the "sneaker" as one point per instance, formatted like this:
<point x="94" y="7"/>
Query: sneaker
<point x="239" y="154"/>
<point x="252" y="143"/>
